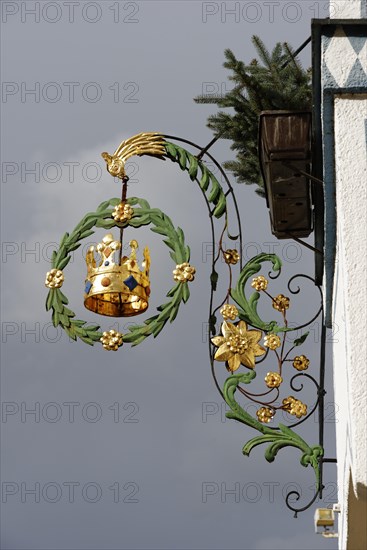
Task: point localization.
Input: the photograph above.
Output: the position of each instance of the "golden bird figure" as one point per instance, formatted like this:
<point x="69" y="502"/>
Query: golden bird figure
<point x="145" y="143"/>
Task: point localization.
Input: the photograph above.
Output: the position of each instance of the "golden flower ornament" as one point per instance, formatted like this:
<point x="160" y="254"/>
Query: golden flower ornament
<point x="259" y="283"/>
<point x="229" y="311"/>
<point x="122" y="212"/>
<point x="300" y="362"/>
<point x="265" y="415"/>
<point x="54" y="278"/>
<point x="294" y="406"/>
<point x="184" y="272"/>
<point x="299" y="409"/>
<point x="281" y="302"/>
<point x="111" y="340"/>
<point x="272" y="341"/>
<point x="238" y="345"/>
<point x="273" y="380"/>
<point x="231" y="256"/>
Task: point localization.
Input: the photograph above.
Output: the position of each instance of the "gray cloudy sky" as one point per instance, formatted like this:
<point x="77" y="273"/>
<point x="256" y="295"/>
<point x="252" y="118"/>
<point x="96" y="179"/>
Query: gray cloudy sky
<point x="154" y="468"/>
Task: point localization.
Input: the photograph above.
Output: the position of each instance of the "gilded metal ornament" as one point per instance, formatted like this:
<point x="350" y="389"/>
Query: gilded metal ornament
<point x="259" y="283"/>
<point x="229" y="311"/>
<point x="265" y="415"/>
<point x="294" y="406"/>
<point x="231" y="256"/>
<point x="122" y="212"/>
<point x="300" y="362"/>
<point x="184" y="272"/>
<point x="54" y="278"/>
<point x="111" y="340"/>
<point x="281" y="303"/>
<point x="238" y="345"/>
<point x="154" y="144"/>
<point x="272" y="341"/>
<point x="116" y="289"/>
<point x="273" y="380"/>
<point x="145" y="143"/>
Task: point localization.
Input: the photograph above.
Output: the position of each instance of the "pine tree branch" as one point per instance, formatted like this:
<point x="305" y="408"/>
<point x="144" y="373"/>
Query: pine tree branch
<point x="275" y="81"/>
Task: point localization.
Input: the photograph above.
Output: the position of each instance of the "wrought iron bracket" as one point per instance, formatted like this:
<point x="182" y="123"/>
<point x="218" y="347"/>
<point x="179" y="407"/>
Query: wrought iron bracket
<point x="246" y="339"/>
<point x="280" y="436"/>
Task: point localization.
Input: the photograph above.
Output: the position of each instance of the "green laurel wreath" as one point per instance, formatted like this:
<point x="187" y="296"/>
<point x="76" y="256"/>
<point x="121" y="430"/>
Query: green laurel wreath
<point x="102" y="217"/>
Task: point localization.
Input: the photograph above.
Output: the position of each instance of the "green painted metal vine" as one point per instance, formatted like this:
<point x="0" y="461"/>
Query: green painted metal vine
<point x="278" y="438"/>
<point x="248" y="308"/>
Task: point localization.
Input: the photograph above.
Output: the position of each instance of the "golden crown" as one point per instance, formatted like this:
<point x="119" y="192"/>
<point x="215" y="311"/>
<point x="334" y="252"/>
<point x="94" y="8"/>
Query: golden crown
<point x="116" y="289"/>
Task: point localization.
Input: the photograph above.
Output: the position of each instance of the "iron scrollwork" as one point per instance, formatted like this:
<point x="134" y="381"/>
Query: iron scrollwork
<point x="275" y="337"/>
<point x="250" y="340"/>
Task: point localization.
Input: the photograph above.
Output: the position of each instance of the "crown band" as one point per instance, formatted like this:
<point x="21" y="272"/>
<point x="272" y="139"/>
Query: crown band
<point x="116" y="304"/>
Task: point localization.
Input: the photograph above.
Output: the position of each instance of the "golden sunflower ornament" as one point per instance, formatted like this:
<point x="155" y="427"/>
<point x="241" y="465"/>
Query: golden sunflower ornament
<point x="238" y="345"/>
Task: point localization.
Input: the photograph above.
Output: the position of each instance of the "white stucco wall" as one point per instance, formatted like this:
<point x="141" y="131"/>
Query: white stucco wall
<point x="343" y="67"/>
<point x="347" y="9"/>
<point x="350" y="302"/>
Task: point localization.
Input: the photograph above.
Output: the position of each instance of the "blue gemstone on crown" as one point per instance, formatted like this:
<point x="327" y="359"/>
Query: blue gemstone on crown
<point x="88" y="286"/>
<point x="131" y="282"/>
<point x="107" y="263"/>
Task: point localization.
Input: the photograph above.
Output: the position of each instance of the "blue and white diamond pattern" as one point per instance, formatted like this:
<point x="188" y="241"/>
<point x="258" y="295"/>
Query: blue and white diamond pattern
<point x="345" y="60"/>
